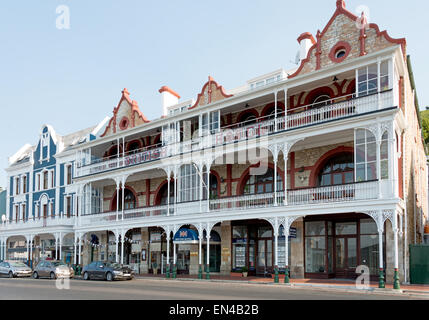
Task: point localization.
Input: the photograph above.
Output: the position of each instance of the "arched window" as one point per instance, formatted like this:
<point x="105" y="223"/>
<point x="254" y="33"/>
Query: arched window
<point x="163" y="195"/>
<point x="258" y="184"/>
<point x="247" y="119"/>
<point x="321" y="101"/>
<point x="337" y="170"/>
<point x="133" y="147"/>
<point x="214" y="190"/>
<point x="130" y="201"/>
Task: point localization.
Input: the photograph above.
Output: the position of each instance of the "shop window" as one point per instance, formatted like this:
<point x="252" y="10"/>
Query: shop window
<point x="366" y="156"/>
<point x="338" y="170"/>
<point x="369" y="245"/>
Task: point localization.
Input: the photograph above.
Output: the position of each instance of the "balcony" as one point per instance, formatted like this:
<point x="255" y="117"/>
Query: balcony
<point x="323" y="195"/>
<point x="335" y="109"/>
<point x="38" y="223"/>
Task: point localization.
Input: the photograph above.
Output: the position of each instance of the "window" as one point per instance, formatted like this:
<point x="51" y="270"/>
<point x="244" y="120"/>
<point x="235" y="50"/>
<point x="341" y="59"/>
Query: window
<point x="45" y="180"/>
<point x="263" y="183"/>
<point x="338" y="170"/>
<point x="164" y="194"/>
<point x="24" y="184"/>
<point x="69" y="175"/>
<point x="52" y="209"/>
<point x="16" y="213"/>
<point x="321" y="101"/>
<point x="366" y="156"/>
<point x="23" y="209"/>
<point x="384" y="157"/>
<point x="214" y="194"/>
<point x="52" y="176"/>
<point x="17" y="181"/>
<point x="68" y="207"/>
<point x="38" y="182"/>
<point x="214" y="122"/>
<point x="248" y="119"/>
<point x="340" y="53"/>
<point x="368" y="79"/>
<point x="189" y="184"/>
<point x="315" y="247"/>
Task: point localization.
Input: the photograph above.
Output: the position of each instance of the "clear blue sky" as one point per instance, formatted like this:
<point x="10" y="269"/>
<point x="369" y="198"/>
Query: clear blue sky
<point x="73" y="78"/>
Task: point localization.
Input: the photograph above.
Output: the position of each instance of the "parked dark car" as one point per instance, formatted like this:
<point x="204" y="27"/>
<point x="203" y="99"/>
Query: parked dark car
<point x="53" y="270"/>
<point x="107" y="271"/>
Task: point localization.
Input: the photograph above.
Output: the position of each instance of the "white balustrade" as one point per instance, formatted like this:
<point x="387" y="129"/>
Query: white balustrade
<point x="334" y="109"/>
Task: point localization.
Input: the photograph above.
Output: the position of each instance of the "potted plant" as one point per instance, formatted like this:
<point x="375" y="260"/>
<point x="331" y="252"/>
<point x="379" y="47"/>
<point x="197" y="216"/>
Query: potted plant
<point x="244" y="272"/>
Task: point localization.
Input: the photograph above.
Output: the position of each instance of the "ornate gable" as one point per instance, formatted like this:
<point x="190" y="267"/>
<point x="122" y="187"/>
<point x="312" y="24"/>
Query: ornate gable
<point x="210" y="93"/>
<point x="125" y="116"/>
<point x="349" y="35"/>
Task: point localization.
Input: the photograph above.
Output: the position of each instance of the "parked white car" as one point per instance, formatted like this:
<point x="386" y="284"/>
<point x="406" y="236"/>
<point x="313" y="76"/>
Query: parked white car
<point x="14" y="269"/>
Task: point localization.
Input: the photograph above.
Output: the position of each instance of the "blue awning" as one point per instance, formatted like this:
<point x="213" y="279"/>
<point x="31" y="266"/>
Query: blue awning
<point x="186" y="236"/>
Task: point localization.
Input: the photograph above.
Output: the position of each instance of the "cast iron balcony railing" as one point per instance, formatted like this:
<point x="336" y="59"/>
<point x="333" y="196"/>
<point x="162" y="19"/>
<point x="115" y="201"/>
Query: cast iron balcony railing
<point x="323" y="195"/>
<point x="331" y="110"/>
<point x="54" y="221"/>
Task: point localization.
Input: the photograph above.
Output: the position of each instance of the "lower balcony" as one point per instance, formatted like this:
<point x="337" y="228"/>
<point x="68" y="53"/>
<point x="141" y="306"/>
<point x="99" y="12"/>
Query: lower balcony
<point x="34" y="223"/>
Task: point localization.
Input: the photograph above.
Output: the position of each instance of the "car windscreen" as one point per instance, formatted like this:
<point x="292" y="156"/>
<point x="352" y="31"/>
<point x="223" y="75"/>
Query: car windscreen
<point x="112" y="265"/>
<point x="17" y="264"/>
<point x="58" y="263"/>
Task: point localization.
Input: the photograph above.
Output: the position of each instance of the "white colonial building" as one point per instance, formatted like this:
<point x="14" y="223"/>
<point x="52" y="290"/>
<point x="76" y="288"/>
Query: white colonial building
<point x="306" y="172"/>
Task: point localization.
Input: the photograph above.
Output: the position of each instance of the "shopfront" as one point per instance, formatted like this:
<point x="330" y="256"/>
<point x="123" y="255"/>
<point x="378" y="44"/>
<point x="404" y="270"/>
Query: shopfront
<point x="335" y="246"/>
<point x="184" y="240"/>
<point x="253" y="247"/>
<point x="214" y="253"/>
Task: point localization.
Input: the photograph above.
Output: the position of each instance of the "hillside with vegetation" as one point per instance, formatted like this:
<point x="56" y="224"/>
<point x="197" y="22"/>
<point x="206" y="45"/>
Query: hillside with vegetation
<point x="425" y="125"/>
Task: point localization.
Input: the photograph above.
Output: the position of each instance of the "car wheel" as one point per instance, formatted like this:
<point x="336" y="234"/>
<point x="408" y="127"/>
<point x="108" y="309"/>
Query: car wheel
<point x="53" y="276"/>
<point x="10" y="274"/>
<point x="35" y="275"/>
<point x="109" y="276"/>
<point x="86" y="276"/>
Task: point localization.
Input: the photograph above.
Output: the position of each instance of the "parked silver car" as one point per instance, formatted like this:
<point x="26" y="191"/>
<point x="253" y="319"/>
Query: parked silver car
<point x="52" y="270"/>
<point x="14" y="269"/>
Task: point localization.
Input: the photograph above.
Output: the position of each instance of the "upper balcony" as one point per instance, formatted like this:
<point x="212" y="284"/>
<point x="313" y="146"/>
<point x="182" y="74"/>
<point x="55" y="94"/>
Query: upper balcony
<point x="322" y="111"/>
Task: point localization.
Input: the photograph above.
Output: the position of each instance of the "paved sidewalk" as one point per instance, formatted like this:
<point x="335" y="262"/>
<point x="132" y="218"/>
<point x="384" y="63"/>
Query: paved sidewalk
<point x="322" y="284"/>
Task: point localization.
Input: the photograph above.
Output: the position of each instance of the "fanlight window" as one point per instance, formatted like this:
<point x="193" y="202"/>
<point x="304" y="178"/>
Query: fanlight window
<point x="259" y="184"/>
<point x="338" y="170"/>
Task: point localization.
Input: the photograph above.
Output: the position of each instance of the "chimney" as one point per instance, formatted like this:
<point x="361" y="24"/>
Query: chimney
<point x="168" y="98"/>
<point x="306" y="41"/>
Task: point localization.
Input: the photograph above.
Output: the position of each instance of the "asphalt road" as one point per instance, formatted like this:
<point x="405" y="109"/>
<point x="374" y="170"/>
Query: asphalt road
<point x="147" y="289"/>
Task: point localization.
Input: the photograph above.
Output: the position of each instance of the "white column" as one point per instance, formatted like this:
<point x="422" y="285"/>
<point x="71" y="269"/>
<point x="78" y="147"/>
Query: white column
<point x="122" y="247"/>
<point x="395" y="240"/>
<point x="168" y="248"/>
<point x="28" y="249"/>
<point x="175" y="192"/>
<point x="31" y="249"/>
<point x="275" y="178"/>
<point x="168" y="192"/>
<point x="117" y="247"/>
<point x="286" y="232"/>
<point x="285" y="182"/>
<point x="74" y="251"/>
<point x="379" y="166"/>
<point x="208" y="188"/>
<point x="275" y="111"/>
<point x="56" y="247"/>
<point x="80" y="250"/>
<point x="201" y="173"/>
<point x="276" y="248"/>
<point x="286" y="105"/>
<point x="208" y="249"/>
<point x="61" y="247"/>
<point x="117" y="199"/>
<point x="123" y="198"/>
<point x="380" y="248"/>
<point x="200" y="248"/>
<point x="174" y="253"/>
